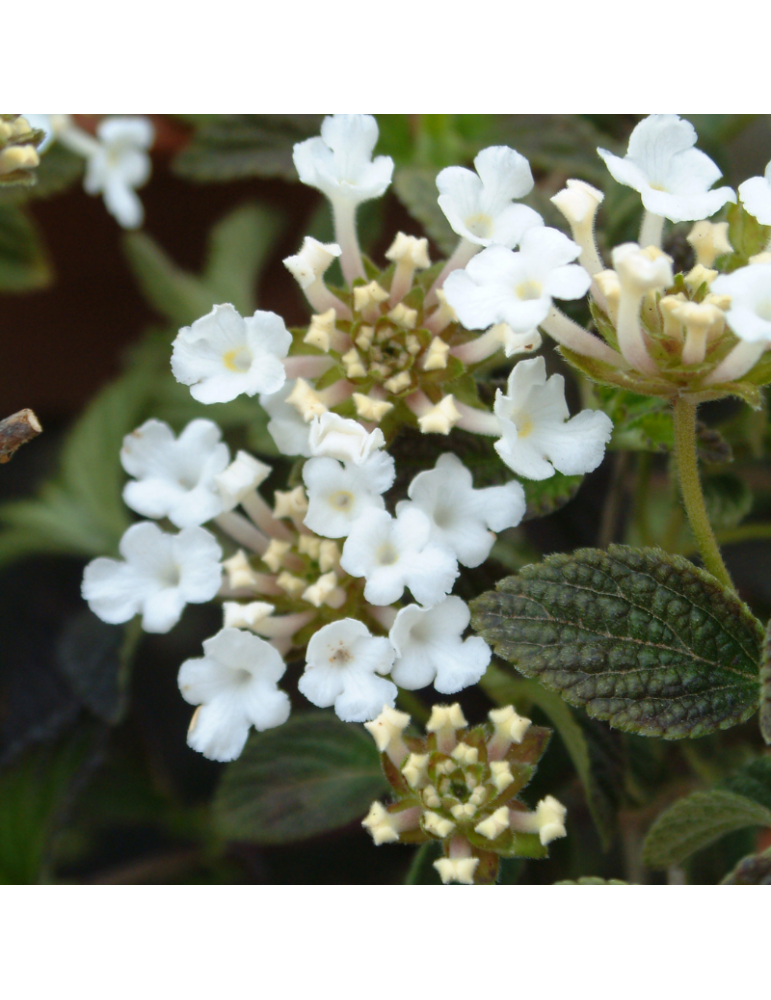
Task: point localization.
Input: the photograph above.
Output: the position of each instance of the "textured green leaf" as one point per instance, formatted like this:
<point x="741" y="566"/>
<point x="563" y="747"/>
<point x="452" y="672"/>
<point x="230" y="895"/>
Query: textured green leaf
<point x="312" y="774"/>
<point x="93" y="656"/>
<point x="415" y="187"/>
<point x="639" y="638"/>
<point x="697" y="821"/>
<point x="753" y="870"/>
<point x="753" y="781"/>
<point x="226" y="147"/>
<point x="23" y="262"/>
<point x="545" y="496"/>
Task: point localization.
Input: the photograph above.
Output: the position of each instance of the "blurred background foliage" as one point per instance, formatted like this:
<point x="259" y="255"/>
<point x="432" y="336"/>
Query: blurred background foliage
<point x="96" y="781"/>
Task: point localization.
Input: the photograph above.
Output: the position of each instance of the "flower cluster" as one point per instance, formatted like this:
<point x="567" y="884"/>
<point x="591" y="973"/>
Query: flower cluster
<point x="336" y="571"/>
<point x="458" y="787"/>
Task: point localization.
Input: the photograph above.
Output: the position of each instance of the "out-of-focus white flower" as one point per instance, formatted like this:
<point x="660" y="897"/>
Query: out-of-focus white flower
<point x="175" y="477"/>
<point x="235" y="685"/>
<point x="671" y="176"/>
<point x="333" y="436"/>
<point x="339" y="162"/>
<point x="479" y="205"/>
<point x="461" y="515"/>
<point x="224" y="354"/>
<point x="429" y="648"/>
<point x="749" y="315"/>
<point x="343" y="664"/>
<point x="160" y="574"/>
<point x="339" y="494"/>
<point x="118" y="164"/>
<point x="755" y="194"/>
<point x="394" y="553"/>
<point x="537" y="436"/>
<point x="503" y="286"/>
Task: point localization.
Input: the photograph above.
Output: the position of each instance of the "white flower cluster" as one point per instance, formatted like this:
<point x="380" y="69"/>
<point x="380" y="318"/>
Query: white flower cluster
<point x="325" y="570"/>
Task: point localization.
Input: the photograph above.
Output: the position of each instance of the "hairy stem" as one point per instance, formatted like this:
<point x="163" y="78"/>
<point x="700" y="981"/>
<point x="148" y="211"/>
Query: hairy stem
<point x="690" y="488"/>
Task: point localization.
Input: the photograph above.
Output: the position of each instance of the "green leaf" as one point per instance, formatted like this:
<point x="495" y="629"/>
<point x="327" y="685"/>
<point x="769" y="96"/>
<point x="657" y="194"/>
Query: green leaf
<point x="753" y="870"/>
<point x="421" y="870"/>
<point x="588" y="756"/>
<point x="765" y="687"/>
<point x="312" y="774"/>
<point x="592" y="880"/>
<point x="545" y="496"/>
<point x="753" y="781"/>
<point x="641" y="639"/>
<point x="227" y="147"/>
<point x="728" y="499"/>
<point x="239" y="246"/>
<point x="746" y="235"/>
<point x="23" y="262"/>
<point x="415" y="187"/>
<point x="697" y="821"/>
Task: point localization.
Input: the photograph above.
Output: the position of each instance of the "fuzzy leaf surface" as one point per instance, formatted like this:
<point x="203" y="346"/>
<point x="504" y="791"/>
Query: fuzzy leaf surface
<point x="641" y="639"/>
<point x="312" y="774"/>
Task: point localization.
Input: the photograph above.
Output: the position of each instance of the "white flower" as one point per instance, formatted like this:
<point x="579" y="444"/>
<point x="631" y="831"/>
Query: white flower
<point x="235" y="683"/>
<point x="339" y="494"/>
<point x="479" y="208"/>
<point x="286" y="426"/>
<point x="175" y="477"/>
<point x="118" y="164"/>
<point x="343" y="661"/>
<point x="536" y="439"/>
<point x="501" y="286"/>
<point x="161" y="574"/>
<point x="755" y="194"/>
<point x="429" y="648"/>
<point x="750" y="289"/>
<point x="672" y="178"/>
<point x="333" y="436"/>
<point x="461" y="515"/>
<point x="339" y="163"/>
<point x="394" y="553"/>
<point x="223" y="355"/>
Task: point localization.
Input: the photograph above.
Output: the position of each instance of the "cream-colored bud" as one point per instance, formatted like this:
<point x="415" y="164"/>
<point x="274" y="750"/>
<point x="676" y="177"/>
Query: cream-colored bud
<point x="312" y="261"/>
<point x="446" y="717"/>
<point x="721" y="302"/>
<point x="699" y="319"/>
<point x="246" y="615"/>
<point x="463" y="810"/>
<point x="409" y="249"/>
<point x="415" y="770"/>
<point x="508" y="724"/>
<point x="309" y="545"/>
<point x="387" y="728"/>
<point x="441" y="419"/>
<point x="353" y="364"/>
<point x="18" y="158"/>
<point x="494" y="825"/>
<point x="273" y="557"/>
<point x="365" y="337"/>
<point x="709" y="241"/>
<point x="436" y="356"/>
<point x="368" y="295"/>
<point x="431" y="797"/>
<point x="698" y="276"/>
<point x="322" y="590"/>
<point x="479" y="794"/>
<point x="381" y="824"/>
<point x="306" y="401"/>
<point x="438" y="825"/>
<point x="668" y="306"/>
<point x="321" y="330"/>
<point x="413" y="344"/>
<point x="399" y="383"/>
<point x="548" y="820"/>
<point x="404" y="316"/>
<point x="641" y="270"/>
<point x="578" y="202"/>
<point x="446" y="767"/>
<point x="465" y="754"/>
<point x="459" y="870"/>
<point x="239" y="571"/>
<point x="371" y="409"/>
<point x="241" y="477"/>
<point x="293" y="585"/>
<point x="290" y="503"/>
<point x="329" y="555"/>
<point x="500" y="771"/>
<point x="610" y="287"/>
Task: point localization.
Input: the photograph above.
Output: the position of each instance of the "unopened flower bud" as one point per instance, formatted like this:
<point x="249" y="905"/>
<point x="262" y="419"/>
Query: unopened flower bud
<point x="709" y="241"/>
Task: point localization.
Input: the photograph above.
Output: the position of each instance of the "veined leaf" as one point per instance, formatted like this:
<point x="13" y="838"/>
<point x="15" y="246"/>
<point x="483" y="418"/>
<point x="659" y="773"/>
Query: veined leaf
<point x="23" y="262"/>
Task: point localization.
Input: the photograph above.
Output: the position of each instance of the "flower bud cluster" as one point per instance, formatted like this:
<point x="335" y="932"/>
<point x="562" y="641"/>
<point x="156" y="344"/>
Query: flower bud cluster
<point x="18" y="152"/>
<point x="458" y="786"/>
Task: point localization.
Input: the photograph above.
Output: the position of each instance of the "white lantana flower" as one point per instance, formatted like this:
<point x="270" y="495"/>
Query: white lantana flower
<point x="333" y="436"/>
<point x="755" y="194"/>
<point x="160" y="575"/>
<point x="429" y="648"/>
<point x="479" y="205"/>
<point x="286" y="426"/>
<point x="118" y="164"/>
<point x="503" y="286"/>
<point x="461" y="515"/>
<point x="339" y="162"/>
<point x="235" y="685"/>
<point x="223" y="355"/>
<point x="537" y="436"/>
<point x="339" y="494"/>
<point x="749" y="315"/>
<point x="394" y="553"/>
<point x="343" y="663"/>
<point x="175" y="477"/>
<point x="671" y="176"/>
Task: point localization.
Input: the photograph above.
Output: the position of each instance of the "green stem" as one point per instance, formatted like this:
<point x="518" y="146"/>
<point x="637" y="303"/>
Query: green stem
<point x="690" y="488"/>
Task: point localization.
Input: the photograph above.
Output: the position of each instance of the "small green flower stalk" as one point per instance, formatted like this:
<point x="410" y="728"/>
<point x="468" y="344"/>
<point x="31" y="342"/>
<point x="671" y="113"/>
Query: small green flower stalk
<point x="459" y="786"/>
